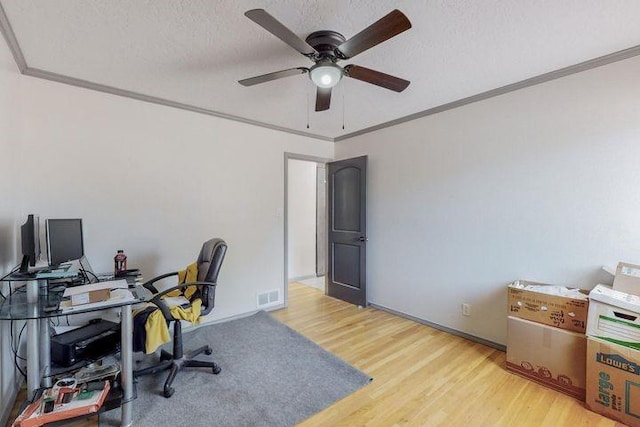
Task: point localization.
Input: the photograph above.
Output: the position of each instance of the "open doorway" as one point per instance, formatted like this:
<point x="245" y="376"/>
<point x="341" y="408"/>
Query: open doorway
<point x="305" y="222"/>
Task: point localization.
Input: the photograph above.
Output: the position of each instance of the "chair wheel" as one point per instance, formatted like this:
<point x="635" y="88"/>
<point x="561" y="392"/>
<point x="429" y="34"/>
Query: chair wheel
<point x="208" y="351"/>
<point x="216" y="370"/>
<point x="168" y="392"/>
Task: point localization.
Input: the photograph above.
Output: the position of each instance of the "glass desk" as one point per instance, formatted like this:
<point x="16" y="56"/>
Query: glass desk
<point x="34" y="300"/>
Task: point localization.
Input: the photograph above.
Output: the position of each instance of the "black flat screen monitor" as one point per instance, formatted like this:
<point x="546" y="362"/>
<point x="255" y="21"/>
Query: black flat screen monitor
<point x="30" y="236"/>
<point x="64" y="240"/>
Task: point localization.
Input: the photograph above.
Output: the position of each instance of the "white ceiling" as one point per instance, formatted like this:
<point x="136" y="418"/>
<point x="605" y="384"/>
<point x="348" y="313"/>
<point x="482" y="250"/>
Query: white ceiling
<point x="193" y="52"/>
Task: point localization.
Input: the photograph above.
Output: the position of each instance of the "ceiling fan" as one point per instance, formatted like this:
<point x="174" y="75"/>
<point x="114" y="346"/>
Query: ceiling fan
<point x="325" y="48"/>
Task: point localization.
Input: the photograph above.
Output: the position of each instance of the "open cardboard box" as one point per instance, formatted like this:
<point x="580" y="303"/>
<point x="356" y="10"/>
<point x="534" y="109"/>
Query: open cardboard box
<point x="552" y="305"/>
<point x="627" y="278"/>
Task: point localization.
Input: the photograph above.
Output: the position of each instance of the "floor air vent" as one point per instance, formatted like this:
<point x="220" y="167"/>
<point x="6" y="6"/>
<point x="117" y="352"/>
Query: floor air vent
<point x="269" y="298"/>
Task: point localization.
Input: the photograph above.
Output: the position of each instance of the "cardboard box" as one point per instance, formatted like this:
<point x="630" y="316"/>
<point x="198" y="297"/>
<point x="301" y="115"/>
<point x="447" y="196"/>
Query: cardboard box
<point x="550" y="356"/>
<point x="91" y="296"/>
<point x="614" y="316"/>
<point x="613" y="381"/>
<point x="627" y="278"/>
<point x="558" y="306"/>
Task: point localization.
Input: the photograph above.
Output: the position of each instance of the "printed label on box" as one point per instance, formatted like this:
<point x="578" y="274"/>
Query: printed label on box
<point x="618" y="362"/>
<point x="613" y="381"/>
<point x="630" y="271"/>
<point x="556" y="306"/>
<point x="607" y="396"/>
<point x="618" y="331"/>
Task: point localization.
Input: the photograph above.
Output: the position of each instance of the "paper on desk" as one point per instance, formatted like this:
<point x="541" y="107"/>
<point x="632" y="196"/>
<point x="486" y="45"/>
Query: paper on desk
<point x="174" y="301"/>
<point x="118" y="296"/>
<point x="112" y="284"/>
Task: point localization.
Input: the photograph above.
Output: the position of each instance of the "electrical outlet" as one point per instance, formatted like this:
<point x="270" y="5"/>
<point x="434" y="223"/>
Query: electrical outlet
<point x="466" y="309"/>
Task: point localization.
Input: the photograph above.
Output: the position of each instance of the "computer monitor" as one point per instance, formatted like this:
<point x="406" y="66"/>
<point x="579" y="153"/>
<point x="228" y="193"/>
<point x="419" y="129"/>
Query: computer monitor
<point x="64" y="240"/>
<point x="30" y="235"/>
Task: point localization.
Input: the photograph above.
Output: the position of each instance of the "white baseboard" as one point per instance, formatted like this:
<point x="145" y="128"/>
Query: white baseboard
<point x="318" y="282"/>
<point x="205" y="321"/>
<point x="300" y="278"/>
<point x="446" y="329"/>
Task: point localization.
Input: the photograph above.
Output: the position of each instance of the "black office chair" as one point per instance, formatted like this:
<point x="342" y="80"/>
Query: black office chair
<point x="209" y="263"/>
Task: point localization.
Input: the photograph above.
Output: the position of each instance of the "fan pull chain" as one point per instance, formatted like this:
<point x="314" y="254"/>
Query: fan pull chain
<point x="343" y="89"/>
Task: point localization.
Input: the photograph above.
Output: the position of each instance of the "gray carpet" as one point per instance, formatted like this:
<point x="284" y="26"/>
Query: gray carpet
<point x="271" y="376"/>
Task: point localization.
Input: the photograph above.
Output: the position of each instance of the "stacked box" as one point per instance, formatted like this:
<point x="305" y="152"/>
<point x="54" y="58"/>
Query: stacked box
<point x="546" y="341"/>
<point x="614" y="316"/>
<point x="613" y="381"/>
<point x="613" y="355"/>
<point x="558" y="306"/>
<point x="550" y="356"/>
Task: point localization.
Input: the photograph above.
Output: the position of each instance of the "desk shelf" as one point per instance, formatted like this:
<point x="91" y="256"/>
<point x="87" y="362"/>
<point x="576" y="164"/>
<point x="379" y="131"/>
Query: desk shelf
<point x="31" y="301"/>
<point x="114" y="400"/>
<point x="17" y="305"/>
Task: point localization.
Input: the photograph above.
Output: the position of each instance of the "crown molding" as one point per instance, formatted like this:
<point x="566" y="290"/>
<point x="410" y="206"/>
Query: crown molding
<point x="12" y="42"/>
<point x="72" y="81"/>
<point x="533" y="81"/>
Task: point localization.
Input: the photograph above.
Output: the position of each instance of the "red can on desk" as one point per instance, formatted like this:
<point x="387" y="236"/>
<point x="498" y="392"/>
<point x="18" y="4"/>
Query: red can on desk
<point x="120" y="262"/>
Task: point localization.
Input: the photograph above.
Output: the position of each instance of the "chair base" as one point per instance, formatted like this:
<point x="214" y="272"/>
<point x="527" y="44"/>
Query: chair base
<point x="167" y="361"/>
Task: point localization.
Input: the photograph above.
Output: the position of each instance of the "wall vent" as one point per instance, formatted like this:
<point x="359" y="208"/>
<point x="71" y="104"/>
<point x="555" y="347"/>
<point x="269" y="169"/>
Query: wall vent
<point x="268" y="298"/>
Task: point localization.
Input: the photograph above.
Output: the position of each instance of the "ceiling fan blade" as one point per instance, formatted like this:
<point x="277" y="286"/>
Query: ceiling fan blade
<point x="323" y="99"/>
<point x="275" y="27"/>
<point x="389" y="26"/>
<point x="272" y="76"/>
<point x="376" y="77"/>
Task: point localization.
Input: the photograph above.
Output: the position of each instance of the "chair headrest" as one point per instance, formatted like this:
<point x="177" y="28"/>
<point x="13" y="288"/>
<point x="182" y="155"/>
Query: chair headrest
<point x="210" y="259"/>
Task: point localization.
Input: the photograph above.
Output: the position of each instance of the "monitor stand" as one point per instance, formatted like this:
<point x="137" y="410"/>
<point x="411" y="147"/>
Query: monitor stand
<point x="25" y="269"/>
<point x="24" y="265"/>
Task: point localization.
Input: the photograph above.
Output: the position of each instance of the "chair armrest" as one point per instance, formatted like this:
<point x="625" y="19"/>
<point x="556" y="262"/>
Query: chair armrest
<point x="164" y="308"/>
<point x="149" y="284"/>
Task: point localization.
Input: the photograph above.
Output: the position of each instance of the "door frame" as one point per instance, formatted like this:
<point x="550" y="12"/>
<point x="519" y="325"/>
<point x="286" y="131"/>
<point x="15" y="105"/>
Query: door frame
<point x="293" y="156"/>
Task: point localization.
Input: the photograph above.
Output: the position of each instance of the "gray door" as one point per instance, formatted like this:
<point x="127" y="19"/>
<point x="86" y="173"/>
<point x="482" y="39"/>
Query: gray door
<point x="347" y="192"/>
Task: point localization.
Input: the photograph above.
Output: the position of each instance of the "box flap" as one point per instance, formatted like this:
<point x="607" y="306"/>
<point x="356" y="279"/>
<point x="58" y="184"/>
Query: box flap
<point x="615" y="298"/>
<point x="542" y="288"/>
<point x="627" y="269"/>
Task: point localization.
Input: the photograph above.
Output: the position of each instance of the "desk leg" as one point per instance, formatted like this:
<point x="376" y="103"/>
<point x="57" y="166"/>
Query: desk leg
<point x="33" y="345"/>
<point x="126" y="354"/>
<point x="45" y="352"/>
<point x="33" y="361"/>
<point x="45" y="343"/>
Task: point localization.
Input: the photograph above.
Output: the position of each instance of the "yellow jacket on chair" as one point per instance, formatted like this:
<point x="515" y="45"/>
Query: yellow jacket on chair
<point x="156" y="327"/>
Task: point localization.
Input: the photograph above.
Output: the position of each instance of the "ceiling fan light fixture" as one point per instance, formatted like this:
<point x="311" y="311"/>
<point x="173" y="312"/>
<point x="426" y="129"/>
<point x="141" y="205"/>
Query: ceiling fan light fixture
<point x="325" y="74"/>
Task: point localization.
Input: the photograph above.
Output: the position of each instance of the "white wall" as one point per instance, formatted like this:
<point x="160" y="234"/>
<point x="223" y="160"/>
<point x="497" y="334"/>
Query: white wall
<point x="157" y="182"/>
<point x="9" y="141"/>
<point x="301" y="216"/>
<point x="540" y="184"/>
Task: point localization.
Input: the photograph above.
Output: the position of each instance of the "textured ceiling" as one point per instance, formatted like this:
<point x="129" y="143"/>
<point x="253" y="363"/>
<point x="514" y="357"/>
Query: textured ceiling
<point x="193" y="51"/>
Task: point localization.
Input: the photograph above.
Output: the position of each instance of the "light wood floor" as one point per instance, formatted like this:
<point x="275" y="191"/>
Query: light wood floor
<point x="422" y="377"/>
